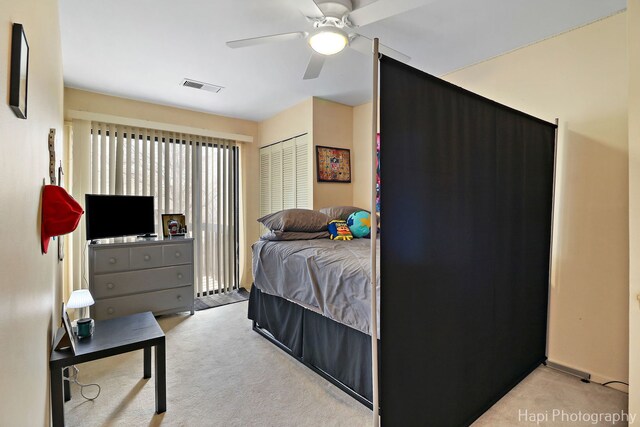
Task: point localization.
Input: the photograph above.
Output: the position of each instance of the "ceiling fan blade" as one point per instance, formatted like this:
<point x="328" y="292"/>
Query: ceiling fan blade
<point x="364" y="45"/>
<point x="315" y="66"/>
<point x="266" y="39"/>
<point x="383" y="9"/>
<point x="309" y="8"/>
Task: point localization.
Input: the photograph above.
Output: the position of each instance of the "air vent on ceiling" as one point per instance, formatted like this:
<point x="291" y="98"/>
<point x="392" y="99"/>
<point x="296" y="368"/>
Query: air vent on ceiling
<point x="201" y="85"/>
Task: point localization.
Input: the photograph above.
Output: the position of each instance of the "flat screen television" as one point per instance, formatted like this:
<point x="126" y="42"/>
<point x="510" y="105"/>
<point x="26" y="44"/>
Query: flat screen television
<point x="117" y="216"/>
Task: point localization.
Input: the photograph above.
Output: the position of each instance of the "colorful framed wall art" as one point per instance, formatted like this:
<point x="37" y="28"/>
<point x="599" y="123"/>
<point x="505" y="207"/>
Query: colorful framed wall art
<point x="333" y="164"/>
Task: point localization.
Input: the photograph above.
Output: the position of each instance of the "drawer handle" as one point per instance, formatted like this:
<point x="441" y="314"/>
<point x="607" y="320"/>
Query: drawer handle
<point x="113" y="260"/>
<point x="178" y="254"/>
<point x="179" y="275"/>
<point x="179" y="297"/>
<point x="147" y="257"/>
<point x="111" y="310"/>
<point x="110" y="285"/>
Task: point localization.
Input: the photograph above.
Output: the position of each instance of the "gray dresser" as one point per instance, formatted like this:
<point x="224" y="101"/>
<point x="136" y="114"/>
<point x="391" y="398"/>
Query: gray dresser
<point x="131" y="275"/>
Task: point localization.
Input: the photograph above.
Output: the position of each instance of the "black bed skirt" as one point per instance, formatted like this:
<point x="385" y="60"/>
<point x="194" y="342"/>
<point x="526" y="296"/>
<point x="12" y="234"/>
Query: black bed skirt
<point x="339" y="353"/>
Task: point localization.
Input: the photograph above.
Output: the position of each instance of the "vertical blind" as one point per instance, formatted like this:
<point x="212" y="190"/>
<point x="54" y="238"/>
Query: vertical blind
<point x="189" y="174"/>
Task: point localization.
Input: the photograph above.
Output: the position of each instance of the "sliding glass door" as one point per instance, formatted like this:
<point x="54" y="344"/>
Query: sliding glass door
<point x="187" y="174"/>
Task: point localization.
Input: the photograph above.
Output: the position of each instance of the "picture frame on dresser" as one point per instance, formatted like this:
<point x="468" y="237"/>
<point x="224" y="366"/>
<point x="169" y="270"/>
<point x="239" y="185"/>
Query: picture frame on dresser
<point x="173" y="225"/>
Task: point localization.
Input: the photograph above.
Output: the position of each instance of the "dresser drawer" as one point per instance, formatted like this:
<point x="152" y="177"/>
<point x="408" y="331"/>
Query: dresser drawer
<point x="131" y="282"/>
<point x="106" y="260"/>
<point x="156" y="302"/>
<point x="177" y="253"/>
<point x="148" y="256"/>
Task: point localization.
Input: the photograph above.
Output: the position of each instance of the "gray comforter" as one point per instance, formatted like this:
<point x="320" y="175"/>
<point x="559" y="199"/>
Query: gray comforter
<point x="330" y="277"/>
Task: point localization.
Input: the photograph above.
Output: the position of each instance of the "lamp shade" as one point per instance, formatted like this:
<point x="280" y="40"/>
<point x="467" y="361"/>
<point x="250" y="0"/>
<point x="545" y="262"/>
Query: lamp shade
<point x="80" y="299"/>
<point x="328" y="40"/>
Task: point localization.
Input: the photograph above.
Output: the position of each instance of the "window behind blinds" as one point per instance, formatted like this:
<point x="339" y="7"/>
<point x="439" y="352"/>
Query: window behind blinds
<point x="286" y="175"/>
<point x="189" y="174"/>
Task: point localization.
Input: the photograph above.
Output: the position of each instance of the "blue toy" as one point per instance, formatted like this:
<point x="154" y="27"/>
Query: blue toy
<point x="359" y="223"/>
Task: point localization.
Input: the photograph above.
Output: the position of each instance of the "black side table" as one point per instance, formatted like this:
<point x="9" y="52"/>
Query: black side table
<point x="111" y="337"/>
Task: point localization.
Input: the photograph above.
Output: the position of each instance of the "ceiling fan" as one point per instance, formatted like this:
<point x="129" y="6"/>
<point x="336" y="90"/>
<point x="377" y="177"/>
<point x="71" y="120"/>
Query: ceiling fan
<point x="334" y="24"/>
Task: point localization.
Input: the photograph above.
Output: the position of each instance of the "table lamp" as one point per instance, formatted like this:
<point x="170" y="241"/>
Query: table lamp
<point x="82" y="299"/>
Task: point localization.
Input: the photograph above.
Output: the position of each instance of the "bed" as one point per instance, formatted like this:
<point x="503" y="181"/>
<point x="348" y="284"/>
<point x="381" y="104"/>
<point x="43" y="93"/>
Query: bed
<point x="312" y="299"/>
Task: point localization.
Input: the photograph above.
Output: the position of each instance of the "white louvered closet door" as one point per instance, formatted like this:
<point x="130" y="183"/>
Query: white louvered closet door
<point x="304" y="172"/>
<point x="265" y="181"/>
<point x="276" y="178"/>
<point x="289" y="174"/>
<point x="286" y="175"/>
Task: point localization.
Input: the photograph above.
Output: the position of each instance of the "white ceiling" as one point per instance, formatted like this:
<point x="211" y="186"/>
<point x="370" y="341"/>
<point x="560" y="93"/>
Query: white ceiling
<point x="142" y="49"/>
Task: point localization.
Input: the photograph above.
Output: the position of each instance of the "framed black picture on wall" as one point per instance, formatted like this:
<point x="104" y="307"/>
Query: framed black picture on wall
<point x="19" y="72"/>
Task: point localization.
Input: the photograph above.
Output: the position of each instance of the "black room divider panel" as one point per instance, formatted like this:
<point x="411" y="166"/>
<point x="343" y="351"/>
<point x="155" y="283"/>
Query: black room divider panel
<point x="467" y="187"/>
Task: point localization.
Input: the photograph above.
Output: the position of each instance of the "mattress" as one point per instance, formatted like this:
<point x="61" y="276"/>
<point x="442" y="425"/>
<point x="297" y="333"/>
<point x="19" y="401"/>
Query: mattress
<point x="330" y="277"/>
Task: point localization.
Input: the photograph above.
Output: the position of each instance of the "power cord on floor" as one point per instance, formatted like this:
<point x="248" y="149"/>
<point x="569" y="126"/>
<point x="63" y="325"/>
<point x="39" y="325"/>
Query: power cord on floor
<point x="74" y="378"/>
<point x="615" y="382"/>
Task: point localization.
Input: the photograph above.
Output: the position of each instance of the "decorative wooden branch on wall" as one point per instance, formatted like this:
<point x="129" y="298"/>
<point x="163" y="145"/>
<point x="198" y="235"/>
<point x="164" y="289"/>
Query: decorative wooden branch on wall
<point x="52" y="156"/>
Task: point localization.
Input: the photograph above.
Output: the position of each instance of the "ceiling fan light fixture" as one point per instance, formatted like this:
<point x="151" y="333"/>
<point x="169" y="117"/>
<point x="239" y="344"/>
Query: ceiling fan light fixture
<point x="328" y="40"/>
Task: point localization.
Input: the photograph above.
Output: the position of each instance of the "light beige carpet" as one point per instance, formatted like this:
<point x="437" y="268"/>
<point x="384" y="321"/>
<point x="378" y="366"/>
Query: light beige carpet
<point x="552" y="398"/>
<point x="221" y="373"/>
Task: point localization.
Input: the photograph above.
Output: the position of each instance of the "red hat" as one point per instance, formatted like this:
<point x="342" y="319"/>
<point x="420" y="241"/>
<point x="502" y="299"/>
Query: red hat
<point x="60" y="214"/>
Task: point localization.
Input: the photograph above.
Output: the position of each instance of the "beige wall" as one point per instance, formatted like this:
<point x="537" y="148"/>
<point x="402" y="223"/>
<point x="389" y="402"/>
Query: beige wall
<point x="332" y="127"/>
<point x="328" y="124"/>
<point x="31" y="282"/>
<point x="249" y="206"/>
<point x="361" y="163"/>
<point x="633" y="37"/>
<point x="580" y="77"/>
<point x="78" y="100"/>
<point x="291" y="122"/>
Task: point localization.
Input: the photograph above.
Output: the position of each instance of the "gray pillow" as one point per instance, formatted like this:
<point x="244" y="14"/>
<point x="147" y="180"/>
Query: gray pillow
<point x="340" y="212"/>
<point x="296" y="220"/>
<point x="277" y="235"/>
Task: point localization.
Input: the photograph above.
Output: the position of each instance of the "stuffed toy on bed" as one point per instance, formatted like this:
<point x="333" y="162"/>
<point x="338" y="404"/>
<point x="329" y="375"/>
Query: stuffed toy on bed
<point x="339" y="230"/>
<point x="359" y="224"/>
